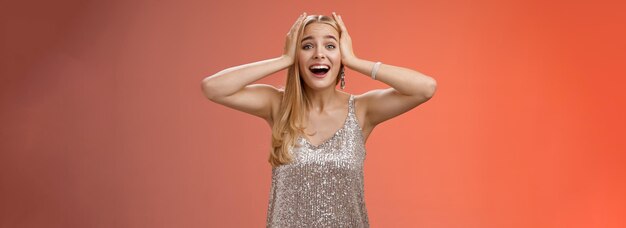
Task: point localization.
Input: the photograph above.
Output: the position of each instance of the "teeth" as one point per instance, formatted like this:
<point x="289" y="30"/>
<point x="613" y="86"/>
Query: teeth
<point x="320" y="67"/>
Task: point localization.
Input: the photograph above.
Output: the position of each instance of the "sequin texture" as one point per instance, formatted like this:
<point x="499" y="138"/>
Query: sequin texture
<point x="323" y="186"/>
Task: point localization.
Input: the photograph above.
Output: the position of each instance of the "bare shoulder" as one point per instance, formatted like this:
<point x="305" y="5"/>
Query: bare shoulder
<point x="276" y="101"/>
<point x="361" y="105"/>
<point x="272" y="93"/>
<point x="274" y="96"/>
<point x="363" y="100"/>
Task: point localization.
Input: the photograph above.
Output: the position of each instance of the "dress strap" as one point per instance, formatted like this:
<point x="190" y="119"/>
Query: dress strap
<point x="351" y="105"/>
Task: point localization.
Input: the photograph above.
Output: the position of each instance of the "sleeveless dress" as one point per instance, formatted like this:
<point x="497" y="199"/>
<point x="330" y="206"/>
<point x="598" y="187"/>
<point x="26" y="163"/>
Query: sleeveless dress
<point x="323" y="185"/>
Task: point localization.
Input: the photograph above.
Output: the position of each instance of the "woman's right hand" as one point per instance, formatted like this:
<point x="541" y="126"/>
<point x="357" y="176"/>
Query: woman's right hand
<point x="291" y="41"/>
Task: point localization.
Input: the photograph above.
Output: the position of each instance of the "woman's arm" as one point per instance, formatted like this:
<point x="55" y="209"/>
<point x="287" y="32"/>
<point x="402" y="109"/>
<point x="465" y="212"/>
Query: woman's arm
<point x="409" y="88"/>
<point x="231" y="87"/>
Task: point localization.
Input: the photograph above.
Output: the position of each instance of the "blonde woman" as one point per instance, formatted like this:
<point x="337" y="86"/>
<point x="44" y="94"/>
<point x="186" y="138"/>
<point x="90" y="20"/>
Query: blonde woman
<point x="318" y="131"/>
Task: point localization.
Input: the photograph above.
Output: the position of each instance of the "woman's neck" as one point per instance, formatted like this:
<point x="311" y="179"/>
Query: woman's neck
<point x="322" y="99"/>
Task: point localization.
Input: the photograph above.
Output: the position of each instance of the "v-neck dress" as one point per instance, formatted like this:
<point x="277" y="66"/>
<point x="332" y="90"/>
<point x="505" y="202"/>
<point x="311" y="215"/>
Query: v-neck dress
<point x="323" y="185"/>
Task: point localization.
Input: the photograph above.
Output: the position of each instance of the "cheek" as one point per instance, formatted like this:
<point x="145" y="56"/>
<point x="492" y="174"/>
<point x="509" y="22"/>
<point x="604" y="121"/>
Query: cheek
<point x="299" y="55"/>
<point x="336" y="54"/>
<point x="336" y="57"/>
<point x="301" y="59"/>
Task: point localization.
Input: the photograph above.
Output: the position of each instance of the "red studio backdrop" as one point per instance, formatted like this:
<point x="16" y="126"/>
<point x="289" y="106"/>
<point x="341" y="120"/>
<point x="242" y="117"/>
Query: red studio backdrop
<point x="104" y="123"/>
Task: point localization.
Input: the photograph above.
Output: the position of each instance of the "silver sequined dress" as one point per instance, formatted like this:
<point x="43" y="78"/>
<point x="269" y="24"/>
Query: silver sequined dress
<point x="323" y="186"/>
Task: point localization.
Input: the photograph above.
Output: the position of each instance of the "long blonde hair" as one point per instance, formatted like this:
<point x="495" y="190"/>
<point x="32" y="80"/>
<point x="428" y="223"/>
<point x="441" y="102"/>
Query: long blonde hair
<point x="295" y="104"/>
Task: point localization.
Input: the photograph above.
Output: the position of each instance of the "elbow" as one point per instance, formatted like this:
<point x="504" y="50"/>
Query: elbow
<point x="208" y="88"/>
<point x="433" y="87"/>
<point x="430" y="88"/>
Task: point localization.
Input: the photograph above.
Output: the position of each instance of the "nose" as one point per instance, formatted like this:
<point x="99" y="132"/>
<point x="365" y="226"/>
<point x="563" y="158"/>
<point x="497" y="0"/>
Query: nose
<point x="319" y="54"/>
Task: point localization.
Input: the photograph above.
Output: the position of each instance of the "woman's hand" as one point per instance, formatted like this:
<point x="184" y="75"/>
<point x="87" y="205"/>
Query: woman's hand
<point x="345" y="43"/>
<point x="291" y="41"/>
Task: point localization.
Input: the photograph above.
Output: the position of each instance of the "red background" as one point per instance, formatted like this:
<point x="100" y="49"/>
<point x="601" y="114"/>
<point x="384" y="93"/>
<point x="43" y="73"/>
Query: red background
<point x="104" y="123"/>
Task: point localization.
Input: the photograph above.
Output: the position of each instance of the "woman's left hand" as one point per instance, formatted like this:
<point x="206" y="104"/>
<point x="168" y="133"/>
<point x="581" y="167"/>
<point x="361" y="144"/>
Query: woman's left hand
<point x="345" y="42"/>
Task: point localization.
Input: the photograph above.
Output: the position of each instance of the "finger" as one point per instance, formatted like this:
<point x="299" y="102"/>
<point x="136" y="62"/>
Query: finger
<point x="296" y="26"/>
<point x="301" y="20"/>
<point x="297" y="23"/>
<point x="336" y="18"/>
<point x="342" y="26"/>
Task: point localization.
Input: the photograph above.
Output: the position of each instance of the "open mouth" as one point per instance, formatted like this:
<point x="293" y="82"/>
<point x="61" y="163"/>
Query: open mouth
<point x="319" y="70"/>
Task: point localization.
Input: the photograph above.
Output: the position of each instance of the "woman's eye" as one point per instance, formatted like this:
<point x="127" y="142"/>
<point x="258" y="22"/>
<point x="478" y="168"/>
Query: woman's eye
<point x="332" y="46"/>
<point x="306" y="46"/>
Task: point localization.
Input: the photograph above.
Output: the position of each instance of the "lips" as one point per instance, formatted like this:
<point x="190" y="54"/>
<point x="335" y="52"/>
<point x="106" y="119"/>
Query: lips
<point x="319" y="70"/>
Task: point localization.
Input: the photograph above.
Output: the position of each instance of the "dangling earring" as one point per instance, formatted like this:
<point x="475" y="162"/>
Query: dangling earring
<point x="343" y="79"/>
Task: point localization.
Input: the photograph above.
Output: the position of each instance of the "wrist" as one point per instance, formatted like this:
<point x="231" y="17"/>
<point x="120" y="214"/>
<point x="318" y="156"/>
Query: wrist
<point x="285" y="60"/>
<point x="350" y="62"/>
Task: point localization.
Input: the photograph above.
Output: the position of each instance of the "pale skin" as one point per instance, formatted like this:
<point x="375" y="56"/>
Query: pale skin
<point x="233" y="87"/>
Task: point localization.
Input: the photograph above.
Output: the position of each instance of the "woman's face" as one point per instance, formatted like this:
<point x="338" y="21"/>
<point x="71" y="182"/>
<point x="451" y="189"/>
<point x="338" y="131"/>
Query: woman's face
<point x="318" y="54"/>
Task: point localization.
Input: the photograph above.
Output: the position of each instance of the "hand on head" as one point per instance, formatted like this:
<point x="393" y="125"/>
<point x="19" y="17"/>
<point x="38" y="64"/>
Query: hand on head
<point x="345" y="42"/>
<point x="291" y="41"/>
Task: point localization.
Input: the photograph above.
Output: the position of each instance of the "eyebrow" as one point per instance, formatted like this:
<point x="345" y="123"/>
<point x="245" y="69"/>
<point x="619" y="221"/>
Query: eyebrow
<point x="311" y="37"/>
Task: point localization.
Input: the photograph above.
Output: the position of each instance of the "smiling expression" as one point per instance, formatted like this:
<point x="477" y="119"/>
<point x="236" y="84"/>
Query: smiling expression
<point x="319" y="57"/>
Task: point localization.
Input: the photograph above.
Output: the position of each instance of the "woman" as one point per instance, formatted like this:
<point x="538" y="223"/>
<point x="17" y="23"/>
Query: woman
<point x="318" y="131"/>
